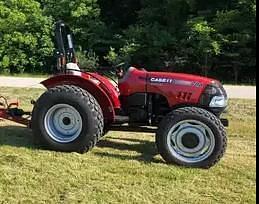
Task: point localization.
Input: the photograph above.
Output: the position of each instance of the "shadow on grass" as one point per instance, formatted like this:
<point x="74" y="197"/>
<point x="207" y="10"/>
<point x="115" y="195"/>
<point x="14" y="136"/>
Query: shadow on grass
<point x="146" y="149"/>
<point x="16" y="136"/>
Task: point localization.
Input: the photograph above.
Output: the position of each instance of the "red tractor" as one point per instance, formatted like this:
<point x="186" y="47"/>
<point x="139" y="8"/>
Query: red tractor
<point x="79" y="107"/>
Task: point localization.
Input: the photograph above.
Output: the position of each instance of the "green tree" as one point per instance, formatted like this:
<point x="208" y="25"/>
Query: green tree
<point x="237" y="27"/>
<point x="83" y="16"/>
<point x="202" y="45"/>
<point x="25" y="36"/>
<point x="157" y="32"/>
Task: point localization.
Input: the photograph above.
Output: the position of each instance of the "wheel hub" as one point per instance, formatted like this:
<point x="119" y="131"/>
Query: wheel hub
<point x="66" y="121"/>
<point x="63" y="123"/>
<point x="191" y="141"/>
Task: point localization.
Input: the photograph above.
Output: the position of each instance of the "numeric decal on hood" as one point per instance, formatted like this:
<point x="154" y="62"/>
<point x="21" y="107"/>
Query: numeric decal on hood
<point x="175" y="82"/>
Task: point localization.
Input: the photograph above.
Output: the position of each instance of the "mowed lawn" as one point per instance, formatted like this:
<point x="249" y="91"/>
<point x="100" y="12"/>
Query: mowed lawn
<point x="124" y="167"/>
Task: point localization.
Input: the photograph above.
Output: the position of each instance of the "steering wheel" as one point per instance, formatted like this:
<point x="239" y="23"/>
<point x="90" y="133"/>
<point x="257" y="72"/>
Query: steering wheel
<point x="120" y="70"/>
<point x="110" y="72"/>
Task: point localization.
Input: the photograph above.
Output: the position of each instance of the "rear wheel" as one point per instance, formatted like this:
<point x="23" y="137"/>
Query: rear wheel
<point x="67" y="118"/>
<point x="191" y="137"/>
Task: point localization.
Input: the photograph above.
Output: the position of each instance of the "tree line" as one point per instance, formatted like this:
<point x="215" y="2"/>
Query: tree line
<point x="207" y="37"/>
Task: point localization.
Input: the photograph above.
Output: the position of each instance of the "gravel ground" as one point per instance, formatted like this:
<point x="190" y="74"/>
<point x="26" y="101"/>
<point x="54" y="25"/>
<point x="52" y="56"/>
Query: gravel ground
<point x="242" y="92"/>
<point x="21" y="82"/>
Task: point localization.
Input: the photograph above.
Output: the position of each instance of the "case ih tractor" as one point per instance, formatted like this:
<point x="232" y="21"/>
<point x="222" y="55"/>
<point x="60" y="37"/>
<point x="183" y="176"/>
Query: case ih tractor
<point x="79" y="107"/>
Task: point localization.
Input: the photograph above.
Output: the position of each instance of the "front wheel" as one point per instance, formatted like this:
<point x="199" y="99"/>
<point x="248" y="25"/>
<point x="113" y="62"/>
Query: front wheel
<point x="191" y="137"/>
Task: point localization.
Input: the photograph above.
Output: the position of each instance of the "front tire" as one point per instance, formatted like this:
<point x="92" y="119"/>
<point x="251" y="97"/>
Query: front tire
<point x="191" y="137"/>
<point x="67" y="118"/>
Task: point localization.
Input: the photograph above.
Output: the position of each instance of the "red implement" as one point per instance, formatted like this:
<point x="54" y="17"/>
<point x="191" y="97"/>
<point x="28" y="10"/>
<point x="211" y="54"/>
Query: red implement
<point x="10" y="111"/>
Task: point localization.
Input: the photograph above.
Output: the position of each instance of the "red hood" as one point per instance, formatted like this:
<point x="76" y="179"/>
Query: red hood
<point x="181" y="76"/>
<point x="178" y="88"/>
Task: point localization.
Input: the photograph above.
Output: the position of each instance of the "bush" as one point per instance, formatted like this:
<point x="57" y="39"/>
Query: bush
<point x="88" y="60"/>
<point x="25" y="36"/>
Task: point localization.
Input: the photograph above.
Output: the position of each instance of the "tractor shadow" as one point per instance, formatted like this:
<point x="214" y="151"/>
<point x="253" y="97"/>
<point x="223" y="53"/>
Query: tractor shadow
<point x="21" y="137"/>
<point x="146" y="150"/>
<point x="16" y="136"/>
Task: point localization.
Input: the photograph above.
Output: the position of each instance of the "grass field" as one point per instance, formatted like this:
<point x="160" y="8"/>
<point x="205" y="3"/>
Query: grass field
<point x="125" y="167"/>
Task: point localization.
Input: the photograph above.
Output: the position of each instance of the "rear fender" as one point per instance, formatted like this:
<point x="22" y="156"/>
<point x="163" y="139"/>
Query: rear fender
<point x="88" y="85"/>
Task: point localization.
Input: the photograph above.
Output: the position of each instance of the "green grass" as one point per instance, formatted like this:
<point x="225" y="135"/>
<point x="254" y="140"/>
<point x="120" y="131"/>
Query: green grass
<point x="124" y="167"/>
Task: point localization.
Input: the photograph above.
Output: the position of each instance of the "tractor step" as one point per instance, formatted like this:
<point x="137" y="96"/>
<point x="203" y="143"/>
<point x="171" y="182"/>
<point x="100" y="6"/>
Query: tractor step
<point x="120" y="119"/>
<point x="122" y="123"/>
<point x="126" y="128"/>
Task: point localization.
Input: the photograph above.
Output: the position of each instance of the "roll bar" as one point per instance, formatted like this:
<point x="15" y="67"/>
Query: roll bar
<point x="65" y="50"/>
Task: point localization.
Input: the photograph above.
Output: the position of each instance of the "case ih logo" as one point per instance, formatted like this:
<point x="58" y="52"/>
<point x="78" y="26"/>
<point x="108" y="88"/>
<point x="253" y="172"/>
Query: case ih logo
<point x="175" y="81"/>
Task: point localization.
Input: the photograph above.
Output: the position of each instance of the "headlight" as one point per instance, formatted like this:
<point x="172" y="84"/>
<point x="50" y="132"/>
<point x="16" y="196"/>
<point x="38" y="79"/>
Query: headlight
<point x="218" y="102"/>
<point x="214" y="96"/>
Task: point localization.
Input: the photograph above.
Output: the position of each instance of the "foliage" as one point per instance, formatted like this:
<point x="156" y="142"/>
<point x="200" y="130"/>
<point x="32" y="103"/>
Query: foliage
<point x="199" y="36"/>
<point x="202" y="43"/>
<point x="124" y="55"/>
<point x="88" y="60"/>
<point x="238" y="35"/>
<point x="25" y="36"/>
<point x="83" y="17"/>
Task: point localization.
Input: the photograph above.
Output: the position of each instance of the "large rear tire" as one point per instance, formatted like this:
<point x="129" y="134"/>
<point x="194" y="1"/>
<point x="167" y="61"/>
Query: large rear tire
<point x="191" y="137"/>
<point x="67" y="118"/>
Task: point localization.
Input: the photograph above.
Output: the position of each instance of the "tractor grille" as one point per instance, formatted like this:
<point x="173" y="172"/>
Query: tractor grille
<point x="186" y="96"/>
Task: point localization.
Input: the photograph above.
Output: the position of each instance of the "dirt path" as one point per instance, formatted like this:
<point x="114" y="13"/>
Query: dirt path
<point x="245" y="92"/>
<point x="21" y="82"/>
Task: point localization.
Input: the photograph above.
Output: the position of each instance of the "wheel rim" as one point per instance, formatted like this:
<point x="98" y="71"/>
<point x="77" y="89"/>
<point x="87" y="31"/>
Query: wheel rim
<point x="63" y="123"/>
<point x="191" y="141"/>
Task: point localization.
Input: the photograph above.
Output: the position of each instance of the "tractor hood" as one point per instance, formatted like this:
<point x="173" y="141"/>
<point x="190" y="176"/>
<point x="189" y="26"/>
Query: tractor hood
<point x="181" y="88"/>
<point x="180" y="79"/>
